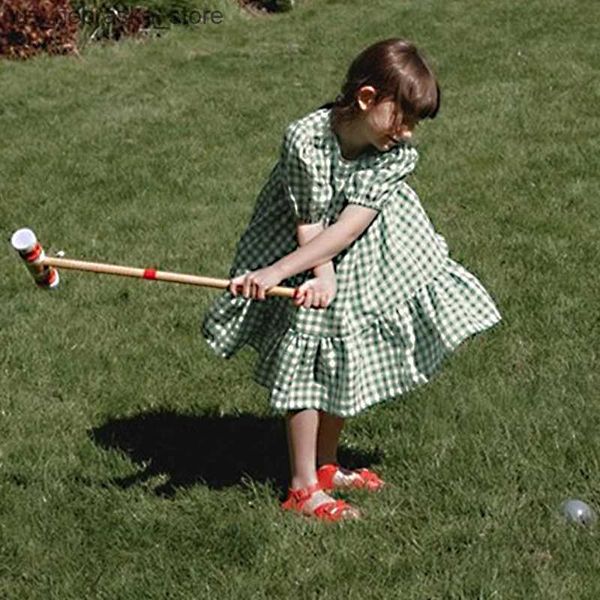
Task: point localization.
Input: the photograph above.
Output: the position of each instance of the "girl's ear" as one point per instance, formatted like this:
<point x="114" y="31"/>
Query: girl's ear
<point x="365" y="97"/>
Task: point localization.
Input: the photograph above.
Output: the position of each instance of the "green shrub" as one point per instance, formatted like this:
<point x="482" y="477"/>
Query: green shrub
<point x="99" y="19"/>
<point x="28" y="27"/>
<point x="104" y="19"/>
<point x="269" y="5"/>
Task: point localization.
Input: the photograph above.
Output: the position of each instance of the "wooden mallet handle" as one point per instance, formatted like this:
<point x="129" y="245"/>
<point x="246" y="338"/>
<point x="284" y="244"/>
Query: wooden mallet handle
<point x="153" y="275"/>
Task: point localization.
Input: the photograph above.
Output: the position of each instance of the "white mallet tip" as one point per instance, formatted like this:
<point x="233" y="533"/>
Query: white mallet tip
<point x="23" y="240"/>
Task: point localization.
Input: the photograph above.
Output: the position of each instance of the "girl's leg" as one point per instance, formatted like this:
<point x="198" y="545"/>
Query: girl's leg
<point x="302" y="427"/>
<point x="328" y="437"/>
<point x="302" y="431"/>
<point x="330" y="428"/>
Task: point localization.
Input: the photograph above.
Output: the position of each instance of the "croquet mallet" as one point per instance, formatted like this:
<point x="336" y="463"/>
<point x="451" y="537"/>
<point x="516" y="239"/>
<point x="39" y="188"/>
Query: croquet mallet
<point x="44" y="268"/>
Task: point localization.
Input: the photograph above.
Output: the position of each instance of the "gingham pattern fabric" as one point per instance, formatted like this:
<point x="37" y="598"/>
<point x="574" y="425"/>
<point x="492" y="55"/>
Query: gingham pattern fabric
<point x="402" y="303"/>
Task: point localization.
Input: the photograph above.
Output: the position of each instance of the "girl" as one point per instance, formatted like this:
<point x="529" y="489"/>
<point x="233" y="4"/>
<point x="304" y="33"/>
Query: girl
<point x="380" y="303"/>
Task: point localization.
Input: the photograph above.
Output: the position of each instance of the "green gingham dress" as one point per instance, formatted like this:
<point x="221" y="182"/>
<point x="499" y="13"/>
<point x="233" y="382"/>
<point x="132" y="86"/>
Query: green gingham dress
<point x="402" y="305"/>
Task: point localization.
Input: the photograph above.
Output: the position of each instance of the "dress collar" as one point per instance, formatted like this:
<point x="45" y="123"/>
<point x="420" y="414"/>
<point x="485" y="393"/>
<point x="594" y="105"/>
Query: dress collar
<point x="326" y="139"/>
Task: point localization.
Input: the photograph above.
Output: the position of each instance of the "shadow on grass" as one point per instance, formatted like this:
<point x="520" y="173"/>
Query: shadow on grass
<point x="208" y="449"/>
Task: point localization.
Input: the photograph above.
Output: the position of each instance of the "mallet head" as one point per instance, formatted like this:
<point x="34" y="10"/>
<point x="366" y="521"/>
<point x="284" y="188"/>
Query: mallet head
<point x="31" y="251"/>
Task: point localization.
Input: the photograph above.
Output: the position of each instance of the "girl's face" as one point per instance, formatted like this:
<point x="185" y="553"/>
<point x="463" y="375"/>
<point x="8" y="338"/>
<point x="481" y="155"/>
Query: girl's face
<point x="384" y="125"/>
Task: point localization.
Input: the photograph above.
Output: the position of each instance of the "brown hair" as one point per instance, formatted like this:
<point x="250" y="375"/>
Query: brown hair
<point x="396" y="69"/>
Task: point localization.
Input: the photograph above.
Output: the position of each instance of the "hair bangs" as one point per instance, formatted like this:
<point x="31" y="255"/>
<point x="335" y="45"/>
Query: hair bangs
<point x="418" y="94"/>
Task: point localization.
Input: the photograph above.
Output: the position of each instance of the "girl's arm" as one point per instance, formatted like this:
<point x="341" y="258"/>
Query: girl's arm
<point x="353" y="220"/>
<point x="305" y="232"/>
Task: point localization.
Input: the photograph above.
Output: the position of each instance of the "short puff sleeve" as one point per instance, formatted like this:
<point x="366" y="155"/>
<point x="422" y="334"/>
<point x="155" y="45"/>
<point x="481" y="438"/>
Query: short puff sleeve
<point x="304" y="174"/>
<point x="373" y="185"/>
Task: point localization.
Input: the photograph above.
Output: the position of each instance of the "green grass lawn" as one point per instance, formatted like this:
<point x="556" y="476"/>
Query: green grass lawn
<point x="136" y="464"/>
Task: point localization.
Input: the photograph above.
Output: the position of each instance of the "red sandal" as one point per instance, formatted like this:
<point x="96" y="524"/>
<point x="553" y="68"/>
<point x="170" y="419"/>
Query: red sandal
<point x="332" y="510"/>
<point x="363" y="478"/>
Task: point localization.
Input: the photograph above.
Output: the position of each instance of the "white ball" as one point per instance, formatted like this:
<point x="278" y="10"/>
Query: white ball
<point x="577" y="511"/>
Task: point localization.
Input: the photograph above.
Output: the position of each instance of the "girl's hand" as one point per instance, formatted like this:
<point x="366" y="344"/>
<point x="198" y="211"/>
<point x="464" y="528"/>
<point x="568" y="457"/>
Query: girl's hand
<point x="318" y="292"/>
<point x="255" y="283"/>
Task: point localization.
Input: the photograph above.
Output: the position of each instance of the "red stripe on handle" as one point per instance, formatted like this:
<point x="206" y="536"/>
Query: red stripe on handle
<point x="149" y="274"/>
